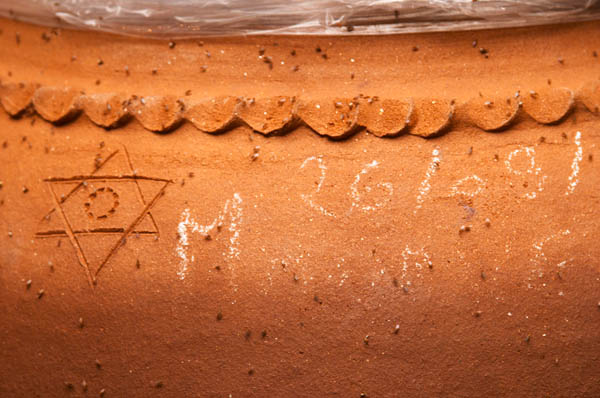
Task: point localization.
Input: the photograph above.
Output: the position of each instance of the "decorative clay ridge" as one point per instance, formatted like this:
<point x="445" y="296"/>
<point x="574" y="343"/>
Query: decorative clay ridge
<point x="335" y="118"/>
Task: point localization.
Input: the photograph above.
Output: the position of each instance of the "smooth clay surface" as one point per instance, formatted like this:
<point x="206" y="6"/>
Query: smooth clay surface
<point x="395" y="216"/>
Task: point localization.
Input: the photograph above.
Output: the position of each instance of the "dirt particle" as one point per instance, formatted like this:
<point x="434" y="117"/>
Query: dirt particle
<point x="255" y="153"/>
<point x="527" y="339"/>
<point x="349" y="28"/>
<point x="293" y="53"/>
<point x="80" y="323"/>
<point x="100" y="62"/>
<point x="263" y="334"/>
<point x="487" y="222"/>
<point x="477" y="314"/>
<point x="564" y="135"/>
<point x="98" y="364"/>
<point x="483" y="51"/>
<point x="137" y="264"/>
<point x="172" y="44"/>
<point x="470" y="150"/>
<point x="84" y="385"/>
<point x="69" y="385"/>
<point x="483" y="276"/>
<point x="28" y="284"/>
<point x="25" y="189"/>
<point x="561" y="60"/>
<point x="102" y="392"/>
<point x="395" y="282"/>
<point x="248" y="334"/>
<point x="40" y="293"/>
<point x="405" y="289"/>
<point x="10" y="234"/>
<point x="158" y="384"/>
<point x="18" y="38"/>
<point x="154" y="71"/>
<point x="415" y="49"/>
<point x="542" y="139"/>
<point x="366" y="340"/>
<point x="261" y="51"/>
<point x="590" y="157"/>
<point x="46" y="37"/>
<point x="397" y="329"/>
<point x="352" y="76"/>
<point x="474" y="43"/>
<point x="268" y="61"/>
<point x="464" y="228"/>
<point x="251" y="372"/>
<point x="318" y="49"/>
<point x="219" y="316"/>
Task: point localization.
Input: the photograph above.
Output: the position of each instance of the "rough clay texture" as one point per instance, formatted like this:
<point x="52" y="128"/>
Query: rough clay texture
<point x="179" y="263"/>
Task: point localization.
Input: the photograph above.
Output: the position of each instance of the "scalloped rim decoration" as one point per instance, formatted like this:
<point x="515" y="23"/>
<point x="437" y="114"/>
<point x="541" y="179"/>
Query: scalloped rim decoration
<point x="335" y="118"/>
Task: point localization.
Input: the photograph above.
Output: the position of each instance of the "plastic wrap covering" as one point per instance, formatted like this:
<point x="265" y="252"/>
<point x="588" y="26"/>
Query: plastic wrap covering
<point x="189" y="18"/>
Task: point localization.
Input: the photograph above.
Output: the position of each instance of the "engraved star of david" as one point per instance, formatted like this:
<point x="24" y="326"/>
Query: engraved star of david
<point x="89" y="207"/>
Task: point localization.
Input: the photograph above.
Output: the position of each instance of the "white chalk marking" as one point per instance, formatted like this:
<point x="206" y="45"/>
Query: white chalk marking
<point x="422" y="258"/>
<point x="182" y="246"/>
<point x="573" y="180"/>
<point x="531" y="169"/>
<point x="356" y="195"/>
<point x="308" y="199"/>
<point x="540" y="256"/>
<point x="425" y="185"/>
<point x="233" y="209"/>
<point x="478" y="182"/>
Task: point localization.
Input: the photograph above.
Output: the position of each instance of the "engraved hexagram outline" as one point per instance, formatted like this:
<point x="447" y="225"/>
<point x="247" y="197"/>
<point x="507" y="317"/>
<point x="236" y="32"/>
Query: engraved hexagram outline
<point x="72" y="235"/>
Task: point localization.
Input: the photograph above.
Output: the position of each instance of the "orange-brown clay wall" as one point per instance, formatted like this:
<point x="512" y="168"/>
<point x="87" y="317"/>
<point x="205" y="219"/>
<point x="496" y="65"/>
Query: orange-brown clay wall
<point x="280" y="262"/>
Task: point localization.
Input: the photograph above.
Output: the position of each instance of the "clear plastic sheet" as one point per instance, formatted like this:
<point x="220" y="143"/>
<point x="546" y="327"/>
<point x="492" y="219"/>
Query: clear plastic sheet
<point x="195" y="18"/>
